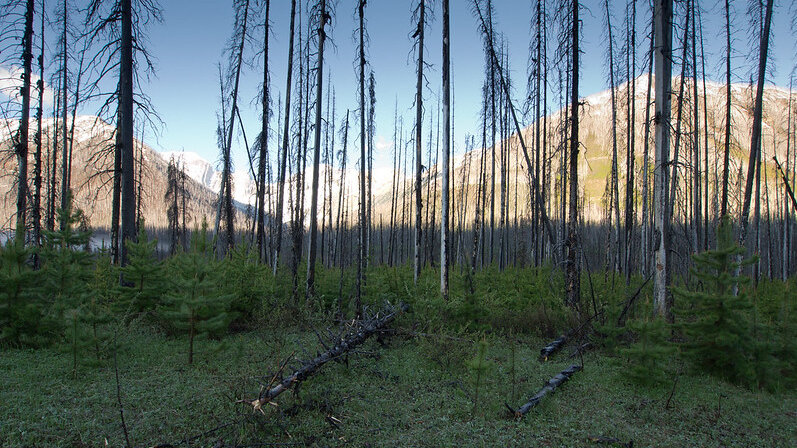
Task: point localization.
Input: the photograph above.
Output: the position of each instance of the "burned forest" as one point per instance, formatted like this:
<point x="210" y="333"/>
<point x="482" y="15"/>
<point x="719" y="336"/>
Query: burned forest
<point x="420" y="223"/>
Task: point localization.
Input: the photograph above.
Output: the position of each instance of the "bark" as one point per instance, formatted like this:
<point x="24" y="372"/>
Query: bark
<point x="310" y="292"/>
<point x="37" y="163"/>
<point x="24" y="121"/>
<point x="358" y="333"/>
<point x="418" y="127"/>
<point x="263" y="157"/>
<point x="573" y="268"/>
<point x="614" y="191"/>
<point x="67" y="156"/>
<point x="362" y="221"/>
<point x="663" y="67"/>
<point x="285" y="140"/>
<point x="548" y="388"/>
<point x="727" y="152"/>
<point x="755" y="139"/>
<point x="125" y="130"/>
<point x="444" y="208"/>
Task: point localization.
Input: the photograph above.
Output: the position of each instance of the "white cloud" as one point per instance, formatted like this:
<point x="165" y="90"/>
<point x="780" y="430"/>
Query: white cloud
<point x="382" y="144"/>
<point x="11" y="82"/>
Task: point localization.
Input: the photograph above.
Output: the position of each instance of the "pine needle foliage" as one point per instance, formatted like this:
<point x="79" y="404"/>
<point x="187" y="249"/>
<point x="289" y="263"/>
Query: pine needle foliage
<point x="20" y="302"/>
<point x="143" y="275"/>
<point x="67" y="273"/>
<point x="651" y="355"/>
<point x="716" y="322"/>
<point x="196" y="305"/>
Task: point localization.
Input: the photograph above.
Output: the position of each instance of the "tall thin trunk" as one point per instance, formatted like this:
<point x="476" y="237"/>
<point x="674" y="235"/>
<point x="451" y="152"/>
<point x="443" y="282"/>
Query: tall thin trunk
<point x="614" y="186"/>
<point x="263" y="157"/>
<point x="24" y="121"/>
<point x="727" y="152"/>
<point x="125" y="142"/>
<point x="362" y="224"/>
<point x="755" y="139"/>
<point x="573" y="274"/>
<point x="67" y="156"/>
<point x="662" y="25"/>
<point x="37" y="163"/>
<point x="630" y="169"/>
<point x="285" y="142"/>
<point x="418" y="127"/>
<point x="323" y="17"/>
<point x="444" y="207"/>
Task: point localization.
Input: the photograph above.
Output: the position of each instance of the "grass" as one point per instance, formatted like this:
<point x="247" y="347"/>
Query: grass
<point x="414" y="391"/>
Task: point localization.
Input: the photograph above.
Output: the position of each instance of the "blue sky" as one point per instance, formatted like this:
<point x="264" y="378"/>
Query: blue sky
<point x="189" y="43"/>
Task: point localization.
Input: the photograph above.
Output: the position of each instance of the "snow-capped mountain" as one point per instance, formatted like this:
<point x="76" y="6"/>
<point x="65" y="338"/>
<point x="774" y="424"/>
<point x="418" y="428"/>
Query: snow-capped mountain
<point x="204" y="172"/>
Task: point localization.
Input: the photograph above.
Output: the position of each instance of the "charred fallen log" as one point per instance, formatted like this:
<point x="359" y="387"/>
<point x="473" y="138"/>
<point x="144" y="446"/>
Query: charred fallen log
<point x="554" y="346"/>
<point x="356" y="333"/>
<point x="547" y="388"/>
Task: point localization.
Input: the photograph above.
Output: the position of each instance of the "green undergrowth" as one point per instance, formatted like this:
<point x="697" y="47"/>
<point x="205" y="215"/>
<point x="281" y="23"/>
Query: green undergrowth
<point x="410" y="391"/>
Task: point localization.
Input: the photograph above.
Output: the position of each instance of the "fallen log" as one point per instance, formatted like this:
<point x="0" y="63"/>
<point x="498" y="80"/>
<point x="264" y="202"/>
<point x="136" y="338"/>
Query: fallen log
<point x="554" y="346"/>
<point x="547" y="388"/>
<point x="356" y="334"/>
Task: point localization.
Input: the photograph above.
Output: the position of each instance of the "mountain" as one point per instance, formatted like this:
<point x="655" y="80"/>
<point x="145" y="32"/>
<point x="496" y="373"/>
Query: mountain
<point x="595" y="135"/>
<point x="92" y="162"/>
<point x="92" y="181"/>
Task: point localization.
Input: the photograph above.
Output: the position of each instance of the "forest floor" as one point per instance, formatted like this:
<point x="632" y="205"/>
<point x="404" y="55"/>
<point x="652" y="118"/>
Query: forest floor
<point x="410" y="389"/>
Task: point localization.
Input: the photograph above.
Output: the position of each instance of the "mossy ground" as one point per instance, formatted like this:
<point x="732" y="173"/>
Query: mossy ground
<point x="413" y="387"/>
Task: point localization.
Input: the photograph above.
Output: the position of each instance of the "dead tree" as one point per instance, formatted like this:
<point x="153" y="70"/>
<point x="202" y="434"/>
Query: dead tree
<point x="21" y="139"/>
<point x="573" y="267"/>
<point x="363" y="216"/>
<point x="755" y="139"/>
<point x="263" y="142"/>
<point x="323" y="16"/>
<point x="727" y="141"/>
<point x="355" y="334"/>
<point x="662" y="25"/>
<point x="419" y="33"/>
<point x="37" y="161"/>
<point x="548" y="388"/>
<point x="444" y="220"/>
<point x="225" y="206"/>
<point x="285" y="141"/>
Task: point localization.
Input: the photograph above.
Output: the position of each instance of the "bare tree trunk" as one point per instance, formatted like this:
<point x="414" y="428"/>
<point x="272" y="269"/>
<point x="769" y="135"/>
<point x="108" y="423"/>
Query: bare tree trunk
<point x="726" y="160"/>
<point x="323" y="16"/>
<point x="362" y="227"/>
<point x="755" y="140"/>
<point x="573" y="274"/>
<point x="614" y="191"/>
<point x="630" y="170"/>
<point x="24" y="122"/>
<point x="128" y="198"/>
<point x="418" y="125"/>
<point x="67" y="156"/>
<point x="645" y="233"/>
<point x="444" y="228"/>
<point x="285" y="143"/>
<point x="37" y="163"/>
<point x="663" y="65"/>
<point x="263" y="157"/>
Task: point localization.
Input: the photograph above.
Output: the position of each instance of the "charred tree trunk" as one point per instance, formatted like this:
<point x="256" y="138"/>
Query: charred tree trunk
<point x="323" y="17"/>
<point x="419" y="32"/>
<point x="263" y="156"/>
<point x="128" y="194"/>
<point x="755" y="139"/>
<point x="285" y="142"/>
<point x="444" y="208"/>
<point x="573" y="270"/>
<point x="24" y="121"/>
<point x="663" y="66"/>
